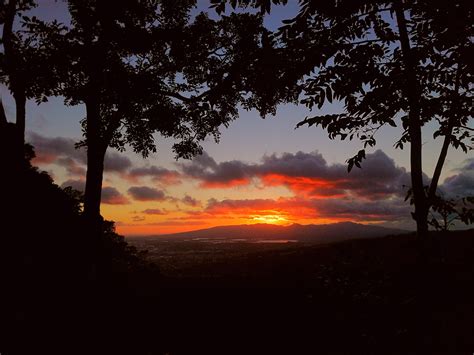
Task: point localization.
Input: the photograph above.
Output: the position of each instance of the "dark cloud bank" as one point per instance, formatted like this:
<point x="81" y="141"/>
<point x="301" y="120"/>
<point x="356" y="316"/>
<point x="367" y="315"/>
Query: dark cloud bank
<point x="374" y="192"/>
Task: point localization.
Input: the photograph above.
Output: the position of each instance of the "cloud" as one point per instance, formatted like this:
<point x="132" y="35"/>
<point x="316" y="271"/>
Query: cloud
<point x="306" y="174"/>
<point x="310" y="175"/>
<point x="229" y="206"/>
<point x="392" y="209"/>
<point x="111" y="196"/>
<point x="301" y="208"/>
<point x="296" y="209"/>
<point x="79" y="185"/>
<point x="174" y="222"/>
<point x="154" y="211"/>
<point x="71" y="166"/>
<point x="190" y="201"/>
<point x="214" y="175"/>
<point x="461" y="184"/>
<point x="468" y="165"/>
<point x="49" y="149"/>
<point x="157" y="174"/>
<point x="145" y="193"/>
<point x="115" y="162"/>
<point x="61" y="151"/>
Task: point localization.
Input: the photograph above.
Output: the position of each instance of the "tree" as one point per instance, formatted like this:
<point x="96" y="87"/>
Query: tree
<point x="42" y="255"/>
<point x="24" y="65"/>
<point x="146" y="67"/>
<point x="385" y="60"/>
<point x="446" y="211"/>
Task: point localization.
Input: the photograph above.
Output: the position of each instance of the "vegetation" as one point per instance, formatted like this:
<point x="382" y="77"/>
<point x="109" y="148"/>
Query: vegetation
<point x="387" y="61"/>
<point x="148" y="68"/>
<point x="142" y="68"/>
<point x="48" y="286"/>
<point x="24" y="64"/>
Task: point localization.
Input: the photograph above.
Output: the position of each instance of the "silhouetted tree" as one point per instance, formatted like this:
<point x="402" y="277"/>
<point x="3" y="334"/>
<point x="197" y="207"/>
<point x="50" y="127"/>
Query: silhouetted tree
<point x="24" y="65"/>
<point x="384" y="60"/>
<point x="150" y="67"/>
<point x="263" y="5"/>
<point x="446" y="211"/>
<point x="46" y="287"/>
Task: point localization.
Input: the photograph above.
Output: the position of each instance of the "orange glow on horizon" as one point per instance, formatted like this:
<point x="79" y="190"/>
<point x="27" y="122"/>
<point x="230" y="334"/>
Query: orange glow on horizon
<point x="190" y="223"/>
<point x="276" y="218"/>
<point x="195" y="222"/>
<point x="231" y="207"/>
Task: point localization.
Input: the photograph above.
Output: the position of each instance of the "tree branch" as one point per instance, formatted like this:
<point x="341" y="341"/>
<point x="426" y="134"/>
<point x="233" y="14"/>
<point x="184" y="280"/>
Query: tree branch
<point x="8" y="29"/>
<point x="178" y="96"/>
<point x="3" y="117"/>
<point x="446" y="143"/>
<point x="364" y="42"/>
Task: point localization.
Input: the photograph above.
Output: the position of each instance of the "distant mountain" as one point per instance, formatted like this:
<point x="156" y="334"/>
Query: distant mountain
<point x="311" y="233"/>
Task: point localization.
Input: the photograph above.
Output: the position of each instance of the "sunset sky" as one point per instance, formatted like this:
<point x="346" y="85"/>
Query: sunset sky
<point x="262" y="171"/>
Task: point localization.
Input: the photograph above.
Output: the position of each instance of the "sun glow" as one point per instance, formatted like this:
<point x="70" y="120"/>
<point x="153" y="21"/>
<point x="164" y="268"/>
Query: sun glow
<point x="269" y="218"/>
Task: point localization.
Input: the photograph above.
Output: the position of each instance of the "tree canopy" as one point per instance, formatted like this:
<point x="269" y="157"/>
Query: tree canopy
<point x="24" y="62"/>
<point x="394" y="63"/>
<point x="143" y="68"/>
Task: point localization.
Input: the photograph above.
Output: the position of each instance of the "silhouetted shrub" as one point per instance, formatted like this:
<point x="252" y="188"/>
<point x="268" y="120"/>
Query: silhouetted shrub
<point x="49" y="288"/>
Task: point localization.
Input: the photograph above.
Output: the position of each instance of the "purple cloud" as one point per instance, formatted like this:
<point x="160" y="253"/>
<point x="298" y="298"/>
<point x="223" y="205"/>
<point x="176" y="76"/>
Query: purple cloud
<point x="111" y="196"/>
<point x="145" y="193"/>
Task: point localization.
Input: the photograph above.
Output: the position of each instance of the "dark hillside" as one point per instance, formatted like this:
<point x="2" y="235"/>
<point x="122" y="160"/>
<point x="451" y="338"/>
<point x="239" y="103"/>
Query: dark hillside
<point x="369" y="295"/>
<point x="53" y="300"/>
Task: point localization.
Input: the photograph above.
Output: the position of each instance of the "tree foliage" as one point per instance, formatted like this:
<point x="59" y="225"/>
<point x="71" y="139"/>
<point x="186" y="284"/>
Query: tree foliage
<point x="263" y="5"/>
<point x="143" y="68"/>
<point x="396" y="63"/>
<point x="357" y="59"/>
<point x="157" y="70"/>
<point x="24" y="62"/>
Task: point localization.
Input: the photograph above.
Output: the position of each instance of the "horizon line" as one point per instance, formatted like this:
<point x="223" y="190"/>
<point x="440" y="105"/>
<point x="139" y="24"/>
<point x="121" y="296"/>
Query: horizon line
<point x="264" y="224"/>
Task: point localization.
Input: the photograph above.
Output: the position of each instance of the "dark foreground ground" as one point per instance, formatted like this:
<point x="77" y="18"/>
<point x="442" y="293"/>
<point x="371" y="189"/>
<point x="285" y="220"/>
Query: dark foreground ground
<point x="366" y="296"/>
<point x="359" y="297"/>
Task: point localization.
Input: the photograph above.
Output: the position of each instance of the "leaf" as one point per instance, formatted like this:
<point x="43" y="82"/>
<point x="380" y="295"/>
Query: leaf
<point x="321" y="99"/>
<point x="350" y="165"/>
<point x="392" y="123"/>
<point x="329" y="94"/>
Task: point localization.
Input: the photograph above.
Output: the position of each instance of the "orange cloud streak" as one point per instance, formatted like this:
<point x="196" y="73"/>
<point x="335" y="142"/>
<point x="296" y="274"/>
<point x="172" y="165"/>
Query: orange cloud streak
<point x="224" y="185"/>
<point x="305" y="185"/>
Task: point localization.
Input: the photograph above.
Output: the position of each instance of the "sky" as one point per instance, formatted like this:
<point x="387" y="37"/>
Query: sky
<point x="261" y="171"/>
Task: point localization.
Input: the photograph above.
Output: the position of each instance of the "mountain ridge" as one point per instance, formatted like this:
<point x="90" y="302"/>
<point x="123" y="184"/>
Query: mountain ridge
<point x="312" y="233"/>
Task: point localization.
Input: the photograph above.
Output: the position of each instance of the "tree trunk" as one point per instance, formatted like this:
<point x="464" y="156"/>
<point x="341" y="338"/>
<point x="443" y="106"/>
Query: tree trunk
<point x="11" y="62"/>
<point x="20" y="103"/>
<point x="93" y="222"/>
<point x="3" y="117"/>
<point x="412" y="92"/>
<point x="421" y="204"/>
<point x="95" y="163"/>
<point x="93" y="191"/>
